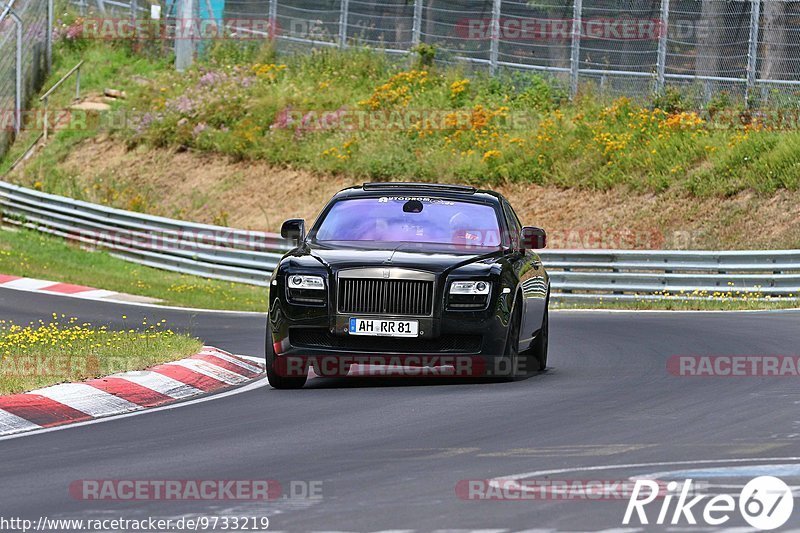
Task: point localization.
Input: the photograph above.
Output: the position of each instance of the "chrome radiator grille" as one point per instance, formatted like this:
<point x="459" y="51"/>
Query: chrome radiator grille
<point x="386" y="297"/>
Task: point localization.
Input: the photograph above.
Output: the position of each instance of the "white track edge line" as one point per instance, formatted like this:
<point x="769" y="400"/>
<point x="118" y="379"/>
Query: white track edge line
<point x="256" y="384"/>
<point x="264" y="314"/>
<point x="140" y="304"/>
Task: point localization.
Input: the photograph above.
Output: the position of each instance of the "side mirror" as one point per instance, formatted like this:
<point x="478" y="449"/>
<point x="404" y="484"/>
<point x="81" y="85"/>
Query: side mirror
<point x="533" y="238"/>
<point x="294" y="229"/>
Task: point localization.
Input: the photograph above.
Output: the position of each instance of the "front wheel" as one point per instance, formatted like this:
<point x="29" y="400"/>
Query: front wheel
<point x="539" y="347"/>
<point x="276" y="380"/>
<point x="511" y="354"/>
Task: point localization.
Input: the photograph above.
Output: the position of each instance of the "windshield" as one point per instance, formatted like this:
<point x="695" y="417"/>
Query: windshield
<point x="411" y="219"/>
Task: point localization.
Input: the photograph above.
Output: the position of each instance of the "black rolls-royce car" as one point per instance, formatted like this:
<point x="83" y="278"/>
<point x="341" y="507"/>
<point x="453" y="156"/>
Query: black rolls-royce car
<point x="409" y="274"/>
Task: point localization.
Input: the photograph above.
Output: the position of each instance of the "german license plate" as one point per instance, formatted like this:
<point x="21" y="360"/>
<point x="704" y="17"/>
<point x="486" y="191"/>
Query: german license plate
<point x="384" y="328"/>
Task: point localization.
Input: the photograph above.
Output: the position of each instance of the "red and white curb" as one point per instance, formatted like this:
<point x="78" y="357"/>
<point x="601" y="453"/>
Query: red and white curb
<point x="211" y="370"/>
<point x="66" y="289"/>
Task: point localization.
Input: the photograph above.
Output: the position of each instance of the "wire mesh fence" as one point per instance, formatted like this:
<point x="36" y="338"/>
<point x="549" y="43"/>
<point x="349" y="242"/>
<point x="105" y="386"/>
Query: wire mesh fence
<point x="23" y="28"/>
<point x="741" y="50"/>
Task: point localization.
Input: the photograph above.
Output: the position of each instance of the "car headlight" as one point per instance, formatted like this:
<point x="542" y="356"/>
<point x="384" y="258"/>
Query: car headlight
<point x="306" y="282"/>
<point x="469" y="295"/>
<point x="469" y="287"/>
<point x="305" y="290"/>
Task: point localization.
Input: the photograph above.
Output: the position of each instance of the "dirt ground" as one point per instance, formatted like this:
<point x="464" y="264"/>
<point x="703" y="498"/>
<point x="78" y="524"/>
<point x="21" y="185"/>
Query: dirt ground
<point x="253" y="195"/>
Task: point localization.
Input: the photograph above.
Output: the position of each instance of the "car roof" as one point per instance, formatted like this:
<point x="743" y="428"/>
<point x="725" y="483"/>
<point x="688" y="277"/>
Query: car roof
<point x="443" y="190"/>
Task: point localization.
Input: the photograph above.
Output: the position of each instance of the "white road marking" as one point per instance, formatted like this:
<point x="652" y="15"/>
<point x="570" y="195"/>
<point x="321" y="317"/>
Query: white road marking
<point x="251" y="358"/>
<point x="212" y="371"/>
<point x="88" y="399"/>
<point x="29" y="284"/>
<point x="510" y="480"/>
<point x="97" y="294"/>
<point x="160" y="383"/>
<point x="11" y="423"/>
<point x="235" y="361"/>
<point x="209" y="398"/>
<point x="790" y="310"/>
<point x="9" y="286"/>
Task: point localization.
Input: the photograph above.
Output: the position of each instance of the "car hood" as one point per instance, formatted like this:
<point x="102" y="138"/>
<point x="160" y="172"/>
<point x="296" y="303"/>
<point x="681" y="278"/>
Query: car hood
<point x="435" y="258"/>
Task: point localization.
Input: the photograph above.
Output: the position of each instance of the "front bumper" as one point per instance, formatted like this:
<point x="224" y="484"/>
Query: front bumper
<point x="473" y="343"/>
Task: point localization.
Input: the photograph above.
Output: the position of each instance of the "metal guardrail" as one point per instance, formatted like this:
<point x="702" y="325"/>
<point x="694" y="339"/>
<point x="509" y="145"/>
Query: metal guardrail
<point x="198" y="249"/>
<point x="250" y="256"/>
<point x="680" y="274"/>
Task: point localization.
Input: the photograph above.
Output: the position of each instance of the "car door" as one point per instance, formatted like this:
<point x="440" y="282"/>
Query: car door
<point x="530" y="273"/>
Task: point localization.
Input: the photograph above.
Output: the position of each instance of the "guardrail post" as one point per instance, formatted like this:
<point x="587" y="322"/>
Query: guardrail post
<point x="184" y="39"/>
<point x="494" y="49"/>
<point x="662" y="46"/>
<point x="575" y="59"/>
<point x="416" y="33"/>
<point x="752" y="53"/>
<point x="343" y="21"/>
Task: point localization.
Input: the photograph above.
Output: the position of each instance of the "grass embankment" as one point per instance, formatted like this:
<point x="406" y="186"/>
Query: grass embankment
<point x="31" y="254"/>
<point x="356" y="115"/>
<point x="64" y="350"/>
<point x="104" y="66"/>
<point x="365" y="115"/>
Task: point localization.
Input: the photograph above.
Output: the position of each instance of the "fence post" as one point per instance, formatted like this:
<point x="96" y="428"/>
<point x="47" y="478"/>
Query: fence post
<point x="662" y="46"/>
<point x="134" y="13"/>
<point x="575" y="59"/>
<point x="273" y="18"/>
<point x="343" y="17"/>
<point x="184" y="39"/>
<point x="134" y="28"/>
<point x="49" y="38"/>
<point x="18" y="74"/>
<point x="494" y="49"/>
<point x="752" y="53"/>
<point x="416" y="33"/>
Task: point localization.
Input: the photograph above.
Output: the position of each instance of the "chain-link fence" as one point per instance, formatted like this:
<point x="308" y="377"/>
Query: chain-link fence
<point x="737" y="50"/>
<point x="24" y="60"/>
<point x="745" y="51"/>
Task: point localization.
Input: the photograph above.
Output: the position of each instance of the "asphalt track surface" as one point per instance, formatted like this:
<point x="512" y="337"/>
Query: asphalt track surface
<point x="390" y="452"/>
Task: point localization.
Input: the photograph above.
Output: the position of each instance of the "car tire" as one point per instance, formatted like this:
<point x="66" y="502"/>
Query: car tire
<point x="539" y="346"/>
<point x="511" y="352"/>
<point x="277" y="381"/>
